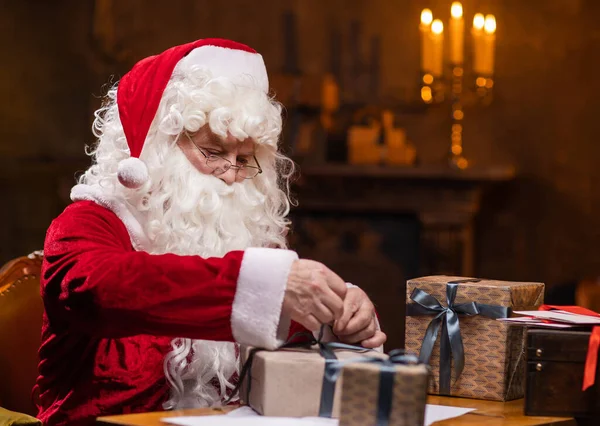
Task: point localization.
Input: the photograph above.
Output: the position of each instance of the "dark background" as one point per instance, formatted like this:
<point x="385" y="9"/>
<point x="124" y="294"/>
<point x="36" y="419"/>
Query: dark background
<point x="542" y="226"/>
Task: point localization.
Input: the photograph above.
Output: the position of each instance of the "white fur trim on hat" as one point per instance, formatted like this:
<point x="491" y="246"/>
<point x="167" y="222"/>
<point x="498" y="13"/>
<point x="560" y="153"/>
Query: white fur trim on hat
<point x="132" y="172"/>
<point x="240" y="67"/>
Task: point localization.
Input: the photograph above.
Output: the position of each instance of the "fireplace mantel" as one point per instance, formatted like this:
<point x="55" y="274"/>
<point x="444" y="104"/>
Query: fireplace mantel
<point x="443" y="199"/>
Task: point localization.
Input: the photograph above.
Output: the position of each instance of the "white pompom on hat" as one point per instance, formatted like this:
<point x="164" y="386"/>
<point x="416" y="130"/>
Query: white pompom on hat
<point x="140" y="90"/>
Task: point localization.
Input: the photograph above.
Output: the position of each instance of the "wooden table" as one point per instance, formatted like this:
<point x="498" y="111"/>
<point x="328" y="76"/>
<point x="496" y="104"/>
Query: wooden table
<point x="487" y="413"/>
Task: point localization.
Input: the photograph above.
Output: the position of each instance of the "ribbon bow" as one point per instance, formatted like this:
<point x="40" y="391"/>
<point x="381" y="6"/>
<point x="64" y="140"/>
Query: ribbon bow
<point x="446" y="318"/>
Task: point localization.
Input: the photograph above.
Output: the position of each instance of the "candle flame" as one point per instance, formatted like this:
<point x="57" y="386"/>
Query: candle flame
<point x="426" y="16"/>
<point x="456" y="10"/>
<point x="437" y="27"/>
<point x="490" y="24"/>
<point x="478" y="21"/>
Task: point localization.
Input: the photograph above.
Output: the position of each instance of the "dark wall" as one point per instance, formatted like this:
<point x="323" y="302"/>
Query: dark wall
<point x="543" y="226"/>
<point x="45" y="88"/>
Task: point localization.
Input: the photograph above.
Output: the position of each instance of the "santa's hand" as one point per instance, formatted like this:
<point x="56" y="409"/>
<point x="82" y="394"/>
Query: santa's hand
<point x="358" y="325"/>
<point x="314" y="294"/>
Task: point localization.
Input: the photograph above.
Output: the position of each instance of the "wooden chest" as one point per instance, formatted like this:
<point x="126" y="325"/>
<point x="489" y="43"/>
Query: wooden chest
<point x="555" y="365"/>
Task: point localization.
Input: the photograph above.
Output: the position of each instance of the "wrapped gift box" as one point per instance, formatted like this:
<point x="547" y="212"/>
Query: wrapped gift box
<point x="288" y="382"/>
<point x="362" y="399"/>
<point x="494" y="352"/>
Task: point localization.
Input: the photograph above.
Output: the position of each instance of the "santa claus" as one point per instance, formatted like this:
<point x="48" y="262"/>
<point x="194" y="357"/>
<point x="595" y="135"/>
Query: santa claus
<point x="174" y="250"/>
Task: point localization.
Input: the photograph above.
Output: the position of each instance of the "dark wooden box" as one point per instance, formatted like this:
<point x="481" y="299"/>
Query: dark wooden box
<point x="555" y="364"/>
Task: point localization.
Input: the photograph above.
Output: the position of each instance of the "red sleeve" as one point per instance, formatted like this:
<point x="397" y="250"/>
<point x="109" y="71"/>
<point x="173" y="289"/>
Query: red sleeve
<point x="93" y="280"/>
<point x="297" y="328"/>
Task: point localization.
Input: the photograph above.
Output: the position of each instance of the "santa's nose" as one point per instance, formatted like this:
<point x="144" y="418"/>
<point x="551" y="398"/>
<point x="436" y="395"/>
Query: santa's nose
<point x="229" y="176"/>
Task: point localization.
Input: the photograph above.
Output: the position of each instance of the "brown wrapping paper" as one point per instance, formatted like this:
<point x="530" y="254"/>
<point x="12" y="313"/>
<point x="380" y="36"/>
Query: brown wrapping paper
<point x="287" y="382"/>
<point x="360" y="393"/>
<point x="494" y="351"/>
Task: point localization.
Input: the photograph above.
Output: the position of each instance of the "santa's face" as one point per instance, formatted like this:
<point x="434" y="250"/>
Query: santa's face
<point x="213" y="155"/>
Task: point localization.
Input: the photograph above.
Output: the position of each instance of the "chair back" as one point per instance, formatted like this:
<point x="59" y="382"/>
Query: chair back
<point x="21" y="311"/>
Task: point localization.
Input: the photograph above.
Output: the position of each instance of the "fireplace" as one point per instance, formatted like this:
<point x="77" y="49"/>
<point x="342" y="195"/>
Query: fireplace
<point x="379" y="226"/>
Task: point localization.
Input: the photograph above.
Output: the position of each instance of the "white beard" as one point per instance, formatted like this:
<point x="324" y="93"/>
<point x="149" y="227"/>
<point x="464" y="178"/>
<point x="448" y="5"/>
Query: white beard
<point x="190" y="213"/>
<point x="197" y="214"/>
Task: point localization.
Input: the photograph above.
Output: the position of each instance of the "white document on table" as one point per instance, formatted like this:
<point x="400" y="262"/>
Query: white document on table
<point x="437" y="413"/>
<point x="248" y="417"/>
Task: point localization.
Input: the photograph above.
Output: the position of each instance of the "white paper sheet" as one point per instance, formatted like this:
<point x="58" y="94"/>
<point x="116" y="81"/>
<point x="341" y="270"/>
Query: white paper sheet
<point x="248" y="417"/>
<point x="562" y="316"/>
<point x="532" y="322"/>
<point x="436" y="413"/>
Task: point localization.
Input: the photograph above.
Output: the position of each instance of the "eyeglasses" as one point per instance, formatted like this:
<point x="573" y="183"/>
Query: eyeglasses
<point x="221" y="165"/>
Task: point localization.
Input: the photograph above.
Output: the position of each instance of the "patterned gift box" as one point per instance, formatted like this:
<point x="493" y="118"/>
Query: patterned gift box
<point x="480" y="357"/>
<point x="367" y="399"/>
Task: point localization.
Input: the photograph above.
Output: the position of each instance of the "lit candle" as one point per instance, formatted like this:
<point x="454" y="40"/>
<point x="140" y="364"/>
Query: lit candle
<point x="478" y="45"/>
<point x="437" y="48"/>
<point x="478" y="21"/>
<point x="425" y="29"/>
<point x="489" y="41"/>
<point x="457" y="29"/>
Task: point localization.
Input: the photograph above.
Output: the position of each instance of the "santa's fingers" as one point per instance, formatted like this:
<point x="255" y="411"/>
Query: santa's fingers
<point x="323" y="313"/>
<point x="336" y="284"/>
<point x="364" y="334"/>
<point x="330" y="300"/>
<point x="361" y="318"/>
<point x="350" y="308"/>
<point x="310" y="322"/>
<point x="376" y="341"/>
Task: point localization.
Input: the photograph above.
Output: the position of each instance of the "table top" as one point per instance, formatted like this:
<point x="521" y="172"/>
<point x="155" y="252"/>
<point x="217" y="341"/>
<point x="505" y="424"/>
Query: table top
<point x="490" y="413"/>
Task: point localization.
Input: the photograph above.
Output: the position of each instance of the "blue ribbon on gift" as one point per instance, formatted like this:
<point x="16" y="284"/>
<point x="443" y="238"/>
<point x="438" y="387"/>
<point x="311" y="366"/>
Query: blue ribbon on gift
<point x="333" y="368"/>
<point x="446" y="318"/>
<point x="387" y="371"/>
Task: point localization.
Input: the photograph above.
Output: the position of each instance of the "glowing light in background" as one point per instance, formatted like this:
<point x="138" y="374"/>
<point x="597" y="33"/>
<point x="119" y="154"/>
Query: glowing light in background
<point x="437" y="27"/>
<point x="490" y="24"/>
<point x="426" y="17"/>
<point x="456" y="10"/>
<point x="478" y="21"/>
<point x="426" y="94"/>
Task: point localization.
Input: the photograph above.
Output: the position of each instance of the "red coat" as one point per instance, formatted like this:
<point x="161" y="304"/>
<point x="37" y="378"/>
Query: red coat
<point x="111" y="312"/>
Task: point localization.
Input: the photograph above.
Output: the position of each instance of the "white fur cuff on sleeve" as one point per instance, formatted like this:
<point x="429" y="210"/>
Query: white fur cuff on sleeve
<point x="256" y="315"/>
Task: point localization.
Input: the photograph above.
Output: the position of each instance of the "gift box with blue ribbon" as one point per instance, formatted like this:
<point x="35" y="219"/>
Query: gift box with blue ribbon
<point x="299" y="379"/>
<point x="314" y="378"/>
<point x="452" y="323"/>
<point x="384" y="392"/>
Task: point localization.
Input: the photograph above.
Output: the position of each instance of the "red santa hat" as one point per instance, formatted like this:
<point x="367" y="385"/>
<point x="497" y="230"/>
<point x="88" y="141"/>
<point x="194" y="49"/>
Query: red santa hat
<point x="140" y="90"/>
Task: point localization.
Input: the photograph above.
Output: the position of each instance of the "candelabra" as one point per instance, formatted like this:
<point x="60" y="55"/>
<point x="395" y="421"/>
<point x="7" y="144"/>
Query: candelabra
<point x="437" y="86"/>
